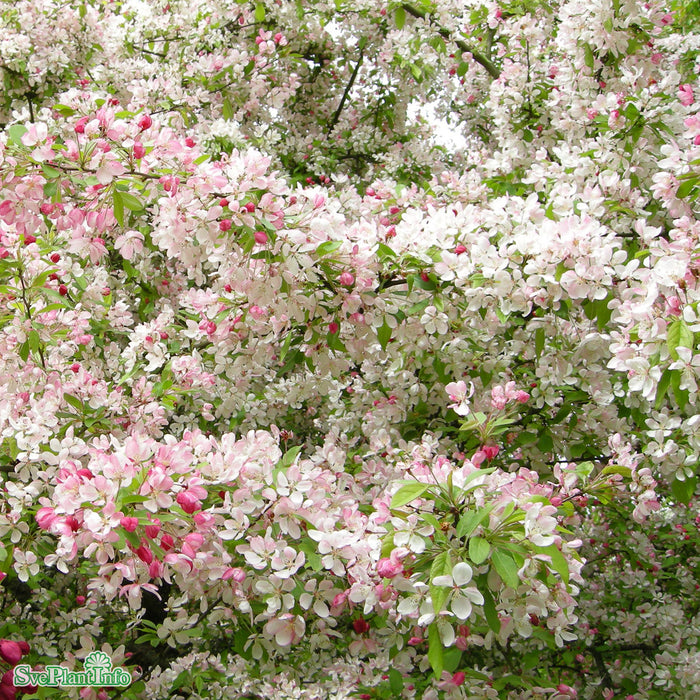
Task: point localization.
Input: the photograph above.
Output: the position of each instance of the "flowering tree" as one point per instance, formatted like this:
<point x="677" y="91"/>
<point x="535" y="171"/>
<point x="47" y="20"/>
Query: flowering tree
<point x="298" y="400"/>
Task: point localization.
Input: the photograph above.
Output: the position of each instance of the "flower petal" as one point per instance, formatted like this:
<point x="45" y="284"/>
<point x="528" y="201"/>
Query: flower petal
<point x="462" y="573"/>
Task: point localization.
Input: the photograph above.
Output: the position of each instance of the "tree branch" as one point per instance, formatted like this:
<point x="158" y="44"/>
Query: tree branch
<point x="344" y="98"/>
<point x="463" y="46"/>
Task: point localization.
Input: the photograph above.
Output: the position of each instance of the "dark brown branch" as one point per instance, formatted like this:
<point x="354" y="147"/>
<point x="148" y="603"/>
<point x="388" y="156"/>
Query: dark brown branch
<point x="344" y="98"/>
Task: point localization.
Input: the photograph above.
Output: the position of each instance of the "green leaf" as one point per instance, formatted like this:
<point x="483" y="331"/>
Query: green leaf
<point x="118" y="207"/>
<point x="49" y="172"/>
<point x="462" y="69"/>
<point x="490" y="611"/>
<point x="24" y="351"/>
<point x="435" y="650"/>
<point x="260" y="12"/>
<point x="287" y="460"/>
<point x="131" y="202"/>
<point x="681" y="395"/>
<point x="558" y="561"/>
<point x="15" y="132"/>
<point x="228" y="109"/>
<point x="479" y="549"/>
<point x="662" y="388"/>
<point x="34" y="340"/>
<point x="400" y="17"/>
<point x="408" y="493"/>
<point x="441" y="566"/>
<point x="384" y="335"/>
<point x="385" y="252"/>
<point x="506" y="568"/>
<point x="678" y="335"/>
<point x="471" y="520"/>
<point x="684" y="490"/>
<point x="327" y="247"/>
<point x="418" y="308"/>
<point x="396" y="682"/>
<point x="74" y="401"/>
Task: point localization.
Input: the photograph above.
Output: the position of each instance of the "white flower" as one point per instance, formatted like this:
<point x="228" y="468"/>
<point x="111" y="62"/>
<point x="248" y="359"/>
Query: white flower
<point x="462" y="596"/>
<point x="434" y="321"/>
<point x="25" y="564"/>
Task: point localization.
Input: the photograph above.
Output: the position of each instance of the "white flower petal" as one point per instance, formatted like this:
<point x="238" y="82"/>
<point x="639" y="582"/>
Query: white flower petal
<point x="462" y="573"/>
<point x="461" y="607"/>
<point x="445" y="580"/>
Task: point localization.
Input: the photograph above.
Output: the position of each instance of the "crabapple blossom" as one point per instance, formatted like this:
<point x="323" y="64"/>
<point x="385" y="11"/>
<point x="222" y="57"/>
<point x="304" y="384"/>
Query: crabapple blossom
<point x="325" y="332"/>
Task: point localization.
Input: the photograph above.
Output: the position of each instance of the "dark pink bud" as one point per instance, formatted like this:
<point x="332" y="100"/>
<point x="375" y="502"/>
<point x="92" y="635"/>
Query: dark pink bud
<point x="188" y="502"/>
<point x="139" y="151"/>
<point x="360" y="625"/>
<point x="10" y="651"/>
<point x="260" y="237"/>
<point x="490" y="451"/>
<point x="144" y="554"/>
<point x="145" y="122"/>
<point x="129" y="523"/>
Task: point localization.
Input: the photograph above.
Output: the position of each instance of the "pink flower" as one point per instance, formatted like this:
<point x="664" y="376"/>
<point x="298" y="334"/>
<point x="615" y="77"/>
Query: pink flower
<point x="46" y="517"/>
<point x="685" y="95"/>
<point x="286" y="628"/>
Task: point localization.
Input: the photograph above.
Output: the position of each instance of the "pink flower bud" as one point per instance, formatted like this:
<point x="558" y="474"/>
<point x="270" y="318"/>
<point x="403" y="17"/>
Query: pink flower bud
<point x="522" y="396"/>
<point x="346" y="279"/>
<point x="387" y="568"/>
<point x="129" y="523"/>
<point x="333" y="327"/>
<point x="260" y="237"/>
<point x="360" y="625"/>
<point x="188" y="502"/>
<point x="139" y="151"/>
<point x="153" y="530"/>
<point x="490" y="451"/>
<point x="460" y="249"/>
<point x="80" y="599"/>
<point x="459" y="678"/>
<point x="144" y="554"/>
<point x="10" y="651"/>
<point x="237" y="574"/>
<point x="145" y="122"/>
<point x="225" y="225"/>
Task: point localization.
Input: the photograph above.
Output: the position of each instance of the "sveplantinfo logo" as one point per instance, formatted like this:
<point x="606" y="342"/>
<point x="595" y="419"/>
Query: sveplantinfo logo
<point x="98" y="672"/>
